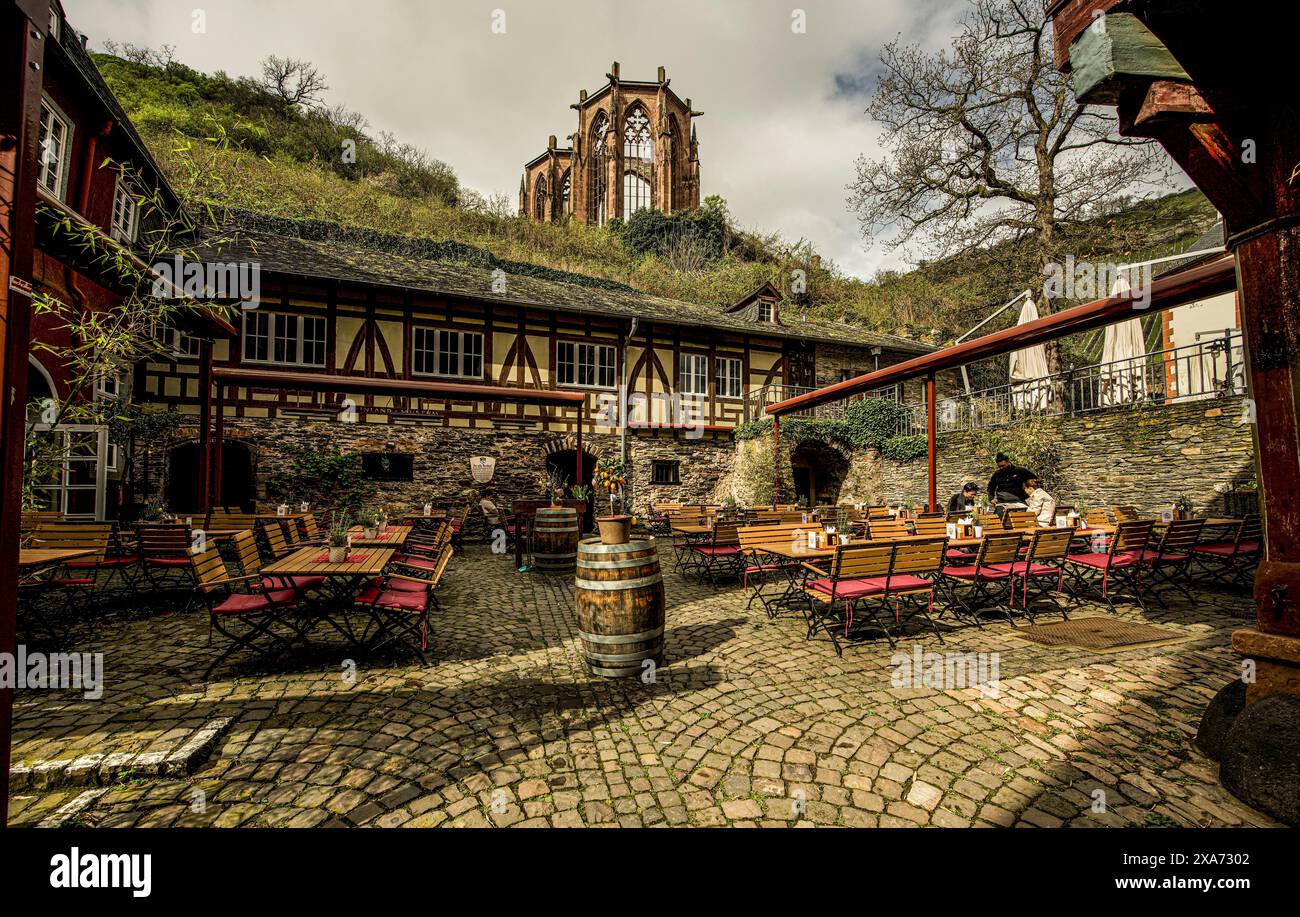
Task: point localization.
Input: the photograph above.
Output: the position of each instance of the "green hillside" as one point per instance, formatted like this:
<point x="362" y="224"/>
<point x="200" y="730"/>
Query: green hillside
<point x="255" y="152"/>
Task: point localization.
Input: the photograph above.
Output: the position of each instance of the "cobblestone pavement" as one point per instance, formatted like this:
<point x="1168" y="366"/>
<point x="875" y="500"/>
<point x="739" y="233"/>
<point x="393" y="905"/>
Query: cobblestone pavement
<point x="747" y="724"/>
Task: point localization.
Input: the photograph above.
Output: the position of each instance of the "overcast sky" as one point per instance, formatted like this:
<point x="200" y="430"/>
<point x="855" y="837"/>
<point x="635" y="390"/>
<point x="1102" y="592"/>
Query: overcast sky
<point x="783" y="117"/>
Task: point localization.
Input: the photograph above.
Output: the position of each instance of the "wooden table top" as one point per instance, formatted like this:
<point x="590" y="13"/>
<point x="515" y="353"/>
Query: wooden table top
<point x="39" y="557"/>
<point x="310" y="562"/>
<point x="395" y="536"/>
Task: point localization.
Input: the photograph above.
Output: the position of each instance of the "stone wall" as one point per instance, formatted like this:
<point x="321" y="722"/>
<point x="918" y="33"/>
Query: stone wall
<point x="1143" y="457"/>
<point x="441" y="459"/>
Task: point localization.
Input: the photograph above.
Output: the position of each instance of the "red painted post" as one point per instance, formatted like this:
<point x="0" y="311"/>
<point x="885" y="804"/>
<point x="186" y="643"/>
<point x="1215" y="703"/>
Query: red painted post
<point x="218" y="443"/>
<point x="205" y="425"/>
<point x="22" y="36"/>
<point x="931" y="442"/>
<point x="776" y="460"/>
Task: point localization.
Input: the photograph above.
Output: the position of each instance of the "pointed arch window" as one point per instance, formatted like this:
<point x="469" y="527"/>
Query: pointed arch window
<point x="638" y="161"/>
<point x="566" y="194"/>
<point x="636" y="194"/>
<point x="596" y="207"/>
<point x="539" y="199"/>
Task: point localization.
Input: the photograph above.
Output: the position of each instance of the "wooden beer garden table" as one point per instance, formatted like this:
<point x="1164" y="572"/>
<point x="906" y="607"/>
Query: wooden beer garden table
<point x="33" y="558"/>
<point x="393" y="537"/>
<point x="342" y="581"/>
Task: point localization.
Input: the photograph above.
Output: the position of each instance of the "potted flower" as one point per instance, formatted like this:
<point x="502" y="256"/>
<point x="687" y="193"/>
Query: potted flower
<point x="609" y="476"/>
<point x="339" y="540"/>
<point x="369" y="521"/>
<point x="1183" y="507"/>
<point x="581" y="492"/>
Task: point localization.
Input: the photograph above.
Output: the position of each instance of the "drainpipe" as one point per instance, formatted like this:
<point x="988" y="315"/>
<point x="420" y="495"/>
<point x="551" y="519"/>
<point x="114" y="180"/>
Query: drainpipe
<point x="623" y="400"/>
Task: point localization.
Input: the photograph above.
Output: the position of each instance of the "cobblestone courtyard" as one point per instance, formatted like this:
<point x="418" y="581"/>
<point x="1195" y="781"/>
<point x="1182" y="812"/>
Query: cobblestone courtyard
<point x="747" y="724"/>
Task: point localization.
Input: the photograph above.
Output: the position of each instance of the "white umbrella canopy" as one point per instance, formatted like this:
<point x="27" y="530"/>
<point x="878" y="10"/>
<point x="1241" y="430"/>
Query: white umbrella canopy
<point x="1123" y="358"/>
<point x="1028" y="370"/>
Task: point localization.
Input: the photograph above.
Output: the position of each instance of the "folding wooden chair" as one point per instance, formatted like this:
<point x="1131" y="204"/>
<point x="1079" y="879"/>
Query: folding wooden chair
<point x="399" y="605"/>
<point x="886" y="528"/>
<point x="78" y="581"/>
<point x="1121" y="564"/>
<point x="165" y="552"/>
<point x="1044" y="560"/>
<point x="274" y="537"/>
<point x="1170" y="560"/>
<point x="244" y="545"/>
<point x="931" y="525"/>
<point x="857" y="574"/>
<point x="916" y="566"/>
<point x="719" y="554"/>
<point x="1019" y="519"/>
<point x="759" y="563"/>
<point x="1125" y="514"/>
<point x="1229" y="561"/>
<point x="984" y="577"/>
<point x="248" y="618"/>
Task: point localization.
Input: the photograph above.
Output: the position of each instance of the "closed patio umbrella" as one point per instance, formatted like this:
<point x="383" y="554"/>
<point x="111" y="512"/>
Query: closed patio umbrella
<point x="1028" y="370"/>
<point x="1123" y="360"/>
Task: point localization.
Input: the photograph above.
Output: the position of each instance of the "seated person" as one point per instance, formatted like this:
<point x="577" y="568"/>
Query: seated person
<point x="1040" y="502"/>
<point x="964" y="501"/>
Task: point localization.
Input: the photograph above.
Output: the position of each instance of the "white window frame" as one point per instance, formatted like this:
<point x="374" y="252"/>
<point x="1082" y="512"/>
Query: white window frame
<point x="451" y="342"/>
<point x="695" y="368"/>
<point x="737" y="376"/>
<point x="124" y="201"/>
<point x="178" y="344"/>
<point x="62" y="167"/>
<point x="109" y="385"/>
<point x="55" y="26"/>
<point x="262" y="326"/>
<point x="574" y="360"/>
<point x="113" y="457"/>
<point x="99" y="459"/>
<point x="768" y="306"/>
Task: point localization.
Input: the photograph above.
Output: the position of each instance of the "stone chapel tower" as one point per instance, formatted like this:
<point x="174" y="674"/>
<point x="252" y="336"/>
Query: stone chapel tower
<point x="635" y="148"/>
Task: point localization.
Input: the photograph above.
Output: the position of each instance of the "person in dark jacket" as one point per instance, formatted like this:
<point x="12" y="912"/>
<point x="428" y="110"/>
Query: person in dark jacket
<point x="1008" y="483"/>
<point x="964" y="500"/>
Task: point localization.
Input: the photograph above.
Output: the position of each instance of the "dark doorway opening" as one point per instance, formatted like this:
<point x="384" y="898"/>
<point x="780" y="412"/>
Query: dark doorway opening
<point x="236" y="490"/>
<point x="565" y="463"/>
<point x="818" y="471"/>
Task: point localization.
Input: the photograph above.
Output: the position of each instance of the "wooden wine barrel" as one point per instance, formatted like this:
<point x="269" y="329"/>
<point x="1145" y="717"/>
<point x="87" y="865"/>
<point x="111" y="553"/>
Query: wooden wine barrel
<point x="555" y="539"/>
<point x="620" y="598"/>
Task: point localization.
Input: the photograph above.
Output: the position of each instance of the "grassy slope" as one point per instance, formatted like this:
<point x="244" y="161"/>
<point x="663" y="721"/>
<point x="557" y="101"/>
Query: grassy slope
<point x="281" y="163"/>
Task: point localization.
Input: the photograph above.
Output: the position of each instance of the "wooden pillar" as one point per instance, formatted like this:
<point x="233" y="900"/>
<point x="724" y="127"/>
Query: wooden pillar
<point x="205" y="425"/>
<point x="931" y="443"/>
<point x="22" y="59"/>
<point x="219" y="440"/>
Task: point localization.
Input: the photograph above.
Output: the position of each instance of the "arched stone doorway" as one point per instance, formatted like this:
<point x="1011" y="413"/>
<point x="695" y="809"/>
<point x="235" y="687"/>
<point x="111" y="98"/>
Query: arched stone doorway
<point x="236" y="489"/>
<point x="818" y="471"/>
<point x="561" y="456"/>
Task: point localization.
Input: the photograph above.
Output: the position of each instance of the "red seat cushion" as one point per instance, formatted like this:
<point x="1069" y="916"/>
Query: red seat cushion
<point x="721" y="550"/>
<point x="73" y="581"/>
<point x="301" y="583"/>
<point x="990" y="573"/>
<point x="422" y="563"/>
<point x="849" y="588"/>
<point x="406" y="585"/>
<point x="106" y="562"/>
<point x="405" y="599"/>
<point x="900" y="582"/>
<point x="1018" y="568"/>
<point x="243" y="603"/>
<point x="1151" y="557"/>
<point x="168" y="561"/>
<point x="1227" y="548"/>
<point x="1122" y="559"/>
<point x="960" y="554"/>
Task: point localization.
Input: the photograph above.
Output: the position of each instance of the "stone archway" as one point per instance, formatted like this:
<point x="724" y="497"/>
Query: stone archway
<point x="818" y="471"/>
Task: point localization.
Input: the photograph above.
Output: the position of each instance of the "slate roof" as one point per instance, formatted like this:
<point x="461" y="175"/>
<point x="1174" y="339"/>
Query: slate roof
<point x="321" y="257"/>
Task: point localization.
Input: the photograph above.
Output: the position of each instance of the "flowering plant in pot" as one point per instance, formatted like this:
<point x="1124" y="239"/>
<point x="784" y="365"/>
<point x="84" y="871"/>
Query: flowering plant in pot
<point x="369" y="521"/>
<point x="609" y="477"/>
<point x="339" y="540"/>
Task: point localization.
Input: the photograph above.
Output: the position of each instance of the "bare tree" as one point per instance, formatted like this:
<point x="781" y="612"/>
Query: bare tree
<point x="294" y="82"/>
<point x="164" y="57"/>
<point x="987" y="143"/>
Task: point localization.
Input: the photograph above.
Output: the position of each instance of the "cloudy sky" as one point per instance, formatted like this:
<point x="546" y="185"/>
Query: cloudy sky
<point x="783" y="117"/>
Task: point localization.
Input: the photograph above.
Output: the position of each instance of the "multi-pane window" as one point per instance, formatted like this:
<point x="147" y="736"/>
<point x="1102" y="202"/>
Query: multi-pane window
<point x="566" y="194"/>
<point x="695" y="374"/>
<point x="539" y="198"/>
<point x="636" y="194"/>
<point x="638" y="158"/>
<point x="665" y="472"/>
<point x="728" y="377"/>
<point x="597" y="179"/>
<point x="439" y="352"/>
<point x="52" y="166"/>
<point x="297" y="340"/>
<point x="126" y="214"/>
<point x="584" y="364"/>
<point x="765" y="313"/>
<point x="173" y="342"/>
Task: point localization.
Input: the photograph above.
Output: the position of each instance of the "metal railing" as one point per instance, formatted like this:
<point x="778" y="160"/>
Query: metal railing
<point x="1212" y="368"/>
<point x="758" y="398"/>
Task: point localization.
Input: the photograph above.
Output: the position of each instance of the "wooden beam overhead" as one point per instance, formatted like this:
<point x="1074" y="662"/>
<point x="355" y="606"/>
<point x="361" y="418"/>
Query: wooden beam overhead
<point x="1118" y="48"/>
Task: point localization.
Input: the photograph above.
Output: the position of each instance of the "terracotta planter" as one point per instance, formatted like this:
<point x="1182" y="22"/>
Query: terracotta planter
<point x="338" y="555"/>
<point x="614" y="529"/>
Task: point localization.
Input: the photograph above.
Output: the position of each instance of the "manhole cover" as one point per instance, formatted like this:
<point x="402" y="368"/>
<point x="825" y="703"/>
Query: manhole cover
<point x="1099" y="634"/>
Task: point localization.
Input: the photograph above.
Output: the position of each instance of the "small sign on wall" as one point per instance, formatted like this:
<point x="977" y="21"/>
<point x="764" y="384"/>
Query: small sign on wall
<point x="482" y="467"/>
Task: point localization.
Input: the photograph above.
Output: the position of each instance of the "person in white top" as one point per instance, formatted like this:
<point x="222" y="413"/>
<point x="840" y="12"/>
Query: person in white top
<point x="1040" y="502"/>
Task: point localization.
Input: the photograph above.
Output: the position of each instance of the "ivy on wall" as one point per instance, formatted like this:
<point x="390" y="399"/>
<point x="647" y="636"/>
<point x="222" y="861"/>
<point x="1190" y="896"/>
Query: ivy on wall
<point x="871" y="423"/>
<point x="322" y="475"/>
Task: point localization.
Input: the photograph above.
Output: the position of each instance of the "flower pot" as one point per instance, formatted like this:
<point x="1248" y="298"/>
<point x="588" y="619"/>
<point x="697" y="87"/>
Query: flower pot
<point x="338" y="554"/>
<point x="371" y="534"/>
<point x="614" y="529"/>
